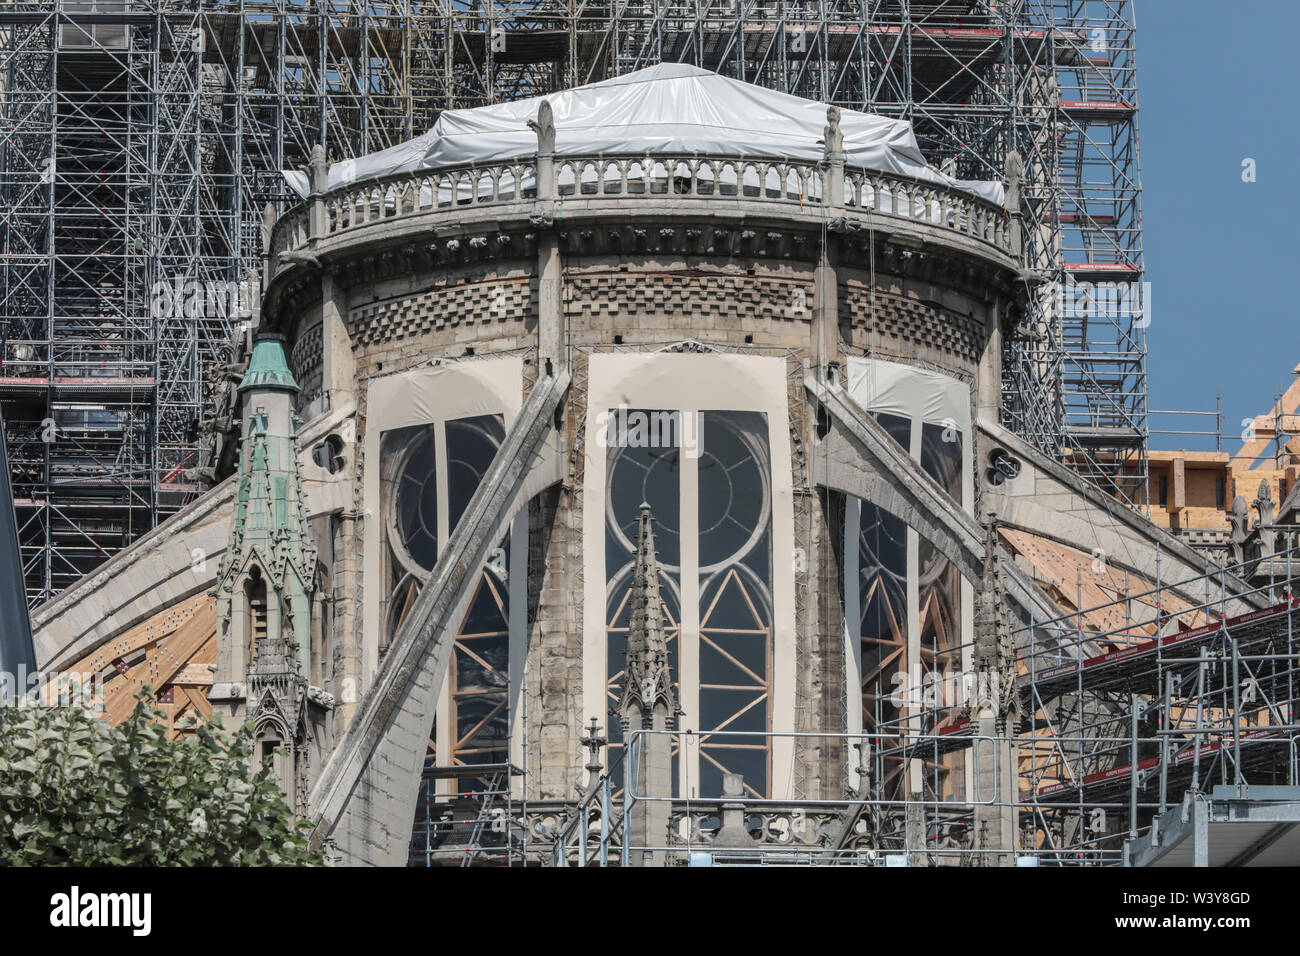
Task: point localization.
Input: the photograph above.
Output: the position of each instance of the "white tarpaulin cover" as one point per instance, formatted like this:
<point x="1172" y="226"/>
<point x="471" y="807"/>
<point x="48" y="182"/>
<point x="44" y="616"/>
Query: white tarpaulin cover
<point x="666" y="108"/>
<point x="910" y="392"/>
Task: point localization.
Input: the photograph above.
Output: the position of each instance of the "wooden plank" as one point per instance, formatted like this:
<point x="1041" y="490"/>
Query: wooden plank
<point x="194" y="675"/>
<point x="161" y="663"/>
<point x="142" y="635"/>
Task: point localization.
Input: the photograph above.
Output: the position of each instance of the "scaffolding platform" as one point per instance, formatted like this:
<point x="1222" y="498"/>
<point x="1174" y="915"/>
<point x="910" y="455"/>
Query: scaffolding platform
<point x="1137" y="667"/>
<point x="465" y="816"/>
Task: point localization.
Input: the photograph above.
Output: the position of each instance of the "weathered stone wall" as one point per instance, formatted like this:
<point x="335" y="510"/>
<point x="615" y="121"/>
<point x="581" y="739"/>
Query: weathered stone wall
<point x="306" y="359"/>
<point x="613" y="300"/>
<point x="553" y="673"/>
<point x="916" y="319"/>
<point x="716" y="301"/>
<point x="398" y="323"/>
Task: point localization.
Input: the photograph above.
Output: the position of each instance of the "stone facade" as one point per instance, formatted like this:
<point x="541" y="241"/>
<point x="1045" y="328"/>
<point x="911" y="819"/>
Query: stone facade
<point x="771" y="283"/>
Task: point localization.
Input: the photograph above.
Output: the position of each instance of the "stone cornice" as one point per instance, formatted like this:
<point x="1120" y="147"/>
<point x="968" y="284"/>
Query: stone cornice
<point x="442" y="240"/>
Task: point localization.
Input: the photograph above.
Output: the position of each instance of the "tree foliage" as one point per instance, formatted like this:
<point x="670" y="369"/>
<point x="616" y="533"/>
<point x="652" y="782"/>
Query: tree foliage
<point x="75" y="790"/>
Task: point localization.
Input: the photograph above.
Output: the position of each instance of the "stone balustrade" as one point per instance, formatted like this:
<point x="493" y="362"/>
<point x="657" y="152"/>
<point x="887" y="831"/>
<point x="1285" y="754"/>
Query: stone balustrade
<point x="544" y="185"/>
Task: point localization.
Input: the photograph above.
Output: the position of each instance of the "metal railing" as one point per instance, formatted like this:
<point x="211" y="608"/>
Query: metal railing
<point x="1066" y="640"/>
<point x="598" y="810"/>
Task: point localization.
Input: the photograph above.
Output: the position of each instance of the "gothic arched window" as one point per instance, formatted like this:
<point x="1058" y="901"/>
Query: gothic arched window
<point x="715" y="467"/>
<point x="909" y="664"/>
<point x="735" y="568"/>
<point x="430" y="473"/>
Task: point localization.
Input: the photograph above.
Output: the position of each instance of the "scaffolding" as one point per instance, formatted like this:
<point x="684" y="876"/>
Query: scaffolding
<point x="101" y="174"/>
<point x="1186" y="692"/>
<point x="140" y="140"/>
<point x="1183" y="700"/>
<point x="465" y="815"/>
<point x="1121" y="723"/>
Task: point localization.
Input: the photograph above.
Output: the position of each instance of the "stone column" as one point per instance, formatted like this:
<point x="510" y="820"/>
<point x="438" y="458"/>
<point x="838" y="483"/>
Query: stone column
<point x="651" y="813"/>
<point x="826" y="311"/>
<point x="347" y="638"/>
<point x="994" y="713"/>
<point x="550" y="279"/>
<point x="995" y="818"/>
<point x="1014" y="175"/>
<point x="914" y="830"/>
<point x="318" y="175"/>
<point x="338" y="368"/>
<point x="268" y="266"/>
<point x="989" y="373"/>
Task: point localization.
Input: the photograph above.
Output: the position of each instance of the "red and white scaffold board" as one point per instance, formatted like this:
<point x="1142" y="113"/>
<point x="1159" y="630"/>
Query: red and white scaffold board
<point x="1100" y="107"/>
<point x="955" y="727"/>
<point x="1179" y="759"/>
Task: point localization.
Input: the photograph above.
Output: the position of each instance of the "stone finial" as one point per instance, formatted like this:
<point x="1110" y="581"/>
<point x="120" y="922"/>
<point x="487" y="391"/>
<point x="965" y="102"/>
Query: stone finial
<point x="318" y="170"/>
<point x="1239" y="521"/>
<point x="833" y="136"/>
<point x="1264" y="504"/>
<point x="1266" y="522"/>
<point x="544" y="127"/>
<point x="1013" y="175"/>
<point x="1240" y="518"/>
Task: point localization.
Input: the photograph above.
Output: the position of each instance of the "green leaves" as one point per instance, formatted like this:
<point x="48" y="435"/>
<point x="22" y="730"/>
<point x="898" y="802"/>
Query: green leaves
<point x="76" y="791"/>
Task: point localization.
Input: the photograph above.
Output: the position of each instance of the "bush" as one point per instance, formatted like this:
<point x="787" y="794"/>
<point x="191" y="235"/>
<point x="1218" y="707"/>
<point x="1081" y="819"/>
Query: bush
<point x="76" y="791"/>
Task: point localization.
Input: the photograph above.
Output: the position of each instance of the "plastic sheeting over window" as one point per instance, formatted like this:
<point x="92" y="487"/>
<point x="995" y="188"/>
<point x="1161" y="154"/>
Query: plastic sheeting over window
<point x="909" y="392"/>
<point x="662" y="109"/>
<point x="904" y="601"/>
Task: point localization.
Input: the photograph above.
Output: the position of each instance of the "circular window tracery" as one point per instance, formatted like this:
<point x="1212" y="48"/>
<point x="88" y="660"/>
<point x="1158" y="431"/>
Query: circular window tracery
<point x="415" y="507"/>
<point x="650" y="475"/>
<point x="735" y="495"/>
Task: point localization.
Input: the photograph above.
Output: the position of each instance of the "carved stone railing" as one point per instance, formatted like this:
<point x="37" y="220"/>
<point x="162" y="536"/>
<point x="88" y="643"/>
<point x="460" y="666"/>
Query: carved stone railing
<point x="401" y="195"/>
<point x="689" y="176"/>
<point x="794" y="827"/>
<point x="823" y="190"/>
<point x="903" y="197"/>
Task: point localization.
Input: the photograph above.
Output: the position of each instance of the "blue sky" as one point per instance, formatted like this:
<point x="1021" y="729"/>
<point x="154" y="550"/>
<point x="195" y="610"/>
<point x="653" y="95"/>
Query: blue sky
<point x="1217" y="84"/>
